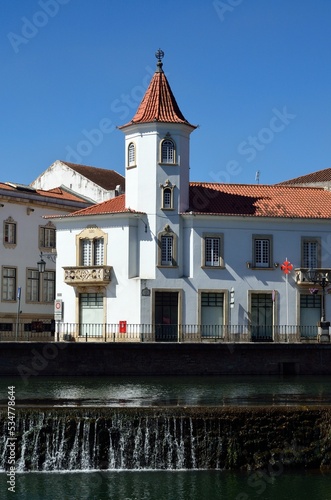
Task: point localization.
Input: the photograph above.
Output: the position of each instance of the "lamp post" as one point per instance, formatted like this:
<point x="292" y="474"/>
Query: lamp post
<point x="322" y="278"/>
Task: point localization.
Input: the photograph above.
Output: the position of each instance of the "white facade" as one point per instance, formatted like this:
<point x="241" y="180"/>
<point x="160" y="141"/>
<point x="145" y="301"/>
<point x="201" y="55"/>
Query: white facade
<point x="26" y="296"/>
<point x="179" y="270"/>
<point x="70" y="176"/>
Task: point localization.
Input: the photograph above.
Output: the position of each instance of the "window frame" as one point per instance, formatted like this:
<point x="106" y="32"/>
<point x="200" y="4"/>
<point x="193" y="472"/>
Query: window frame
<point x="93" y="234"/>
<point x="165" y="159"/>
<point x="261" y="237"/>
<point x="317" y="241"/>
<point x="213" y="236"/>
<point x="32" y="290"/>
<point x="10" y="242"/>
<point x="47" y="237"/>
<point x="167" y="233"/>
<point x="92" y="244"/>
<point x="131" y="150"/>
<point x="48" y="287"/>
<point x="5" y="284"/>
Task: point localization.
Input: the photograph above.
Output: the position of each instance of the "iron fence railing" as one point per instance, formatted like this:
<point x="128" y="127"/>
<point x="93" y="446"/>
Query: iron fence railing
<point x="126" y="332"/>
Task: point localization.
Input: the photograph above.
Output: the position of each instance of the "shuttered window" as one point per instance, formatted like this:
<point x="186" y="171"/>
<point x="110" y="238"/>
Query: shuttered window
<point x="92" y="252"/>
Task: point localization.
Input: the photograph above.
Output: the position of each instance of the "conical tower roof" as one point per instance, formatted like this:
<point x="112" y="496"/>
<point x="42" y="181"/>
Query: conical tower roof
<point x="159" y="103"/>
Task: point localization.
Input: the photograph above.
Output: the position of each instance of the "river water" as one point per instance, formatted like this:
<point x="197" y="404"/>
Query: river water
<point x="269" y="484"/>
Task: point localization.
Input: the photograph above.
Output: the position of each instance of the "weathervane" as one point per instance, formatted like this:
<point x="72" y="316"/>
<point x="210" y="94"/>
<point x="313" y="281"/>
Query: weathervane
<point x="159" y="54"/>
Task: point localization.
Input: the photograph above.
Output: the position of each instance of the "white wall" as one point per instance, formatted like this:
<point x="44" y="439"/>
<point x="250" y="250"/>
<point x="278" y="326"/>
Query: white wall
<point x="59" y="174"/>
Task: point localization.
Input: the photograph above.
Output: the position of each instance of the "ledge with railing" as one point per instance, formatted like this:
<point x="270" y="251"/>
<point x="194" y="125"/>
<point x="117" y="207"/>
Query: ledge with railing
<point x="184" y="333"/>
<point x="126" y="332"/>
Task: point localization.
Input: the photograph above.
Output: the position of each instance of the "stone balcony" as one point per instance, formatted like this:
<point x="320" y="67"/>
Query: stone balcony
<point x="301" y="275"/>
<point x="87" y="275"/>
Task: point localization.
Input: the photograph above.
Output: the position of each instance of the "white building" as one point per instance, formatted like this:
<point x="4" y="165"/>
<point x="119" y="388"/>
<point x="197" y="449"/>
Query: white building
<point x="27" y="297"/>
<point x="96" y="184"/>
<point x="174" y="260"/>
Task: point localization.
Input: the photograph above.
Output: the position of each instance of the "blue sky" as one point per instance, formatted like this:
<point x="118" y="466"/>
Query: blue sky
<point x="253" y="74"/>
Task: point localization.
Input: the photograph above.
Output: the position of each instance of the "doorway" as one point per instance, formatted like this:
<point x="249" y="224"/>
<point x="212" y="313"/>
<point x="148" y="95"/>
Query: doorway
<point x="262" y="317"/>
<point x="166" y="316"/>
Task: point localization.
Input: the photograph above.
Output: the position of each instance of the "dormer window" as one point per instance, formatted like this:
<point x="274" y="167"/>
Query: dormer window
<point x="168" y="151"/>
<point x="131" y="155"/>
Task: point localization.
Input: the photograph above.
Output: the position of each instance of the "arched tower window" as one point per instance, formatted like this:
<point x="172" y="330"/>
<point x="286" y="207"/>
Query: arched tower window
<point x="167" y="192"/>
<point x="131" y="155"/>
<point x="168" y="151"/>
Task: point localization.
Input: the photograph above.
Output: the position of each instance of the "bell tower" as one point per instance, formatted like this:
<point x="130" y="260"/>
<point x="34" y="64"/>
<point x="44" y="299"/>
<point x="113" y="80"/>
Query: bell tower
<point x="157" y="141"/>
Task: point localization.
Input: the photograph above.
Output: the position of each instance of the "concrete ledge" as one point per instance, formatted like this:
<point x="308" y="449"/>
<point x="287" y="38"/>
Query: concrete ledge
<point x="71" y="358"/>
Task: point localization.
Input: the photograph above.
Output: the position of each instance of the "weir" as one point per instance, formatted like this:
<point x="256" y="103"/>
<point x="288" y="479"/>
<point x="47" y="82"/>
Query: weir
<point x="232" y="438"/>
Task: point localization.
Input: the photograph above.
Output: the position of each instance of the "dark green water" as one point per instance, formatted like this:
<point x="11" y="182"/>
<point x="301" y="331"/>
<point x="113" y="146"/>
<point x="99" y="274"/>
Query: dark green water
<point x="168" y="391"/>
<point x="169" y="485"/>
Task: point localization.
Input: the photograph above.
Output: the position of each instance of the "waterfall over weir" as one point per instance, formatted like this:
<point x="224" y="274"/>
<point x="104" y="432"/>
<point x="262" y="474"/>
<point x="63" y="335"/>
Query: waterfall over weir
<point x="167" y="438"/>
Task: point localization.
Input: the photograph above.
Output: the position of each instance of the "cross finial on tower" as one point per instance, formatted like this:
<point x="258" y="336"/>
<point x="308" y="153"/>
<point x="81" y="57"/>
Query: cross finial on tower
<point x="159" y="54"/>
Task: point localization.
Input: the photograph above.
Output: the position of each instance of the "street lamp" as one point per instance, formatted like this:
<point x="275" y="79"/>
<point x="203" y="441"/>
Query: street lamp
<point x="41" y="264"/>
<point x="314" y="276"/>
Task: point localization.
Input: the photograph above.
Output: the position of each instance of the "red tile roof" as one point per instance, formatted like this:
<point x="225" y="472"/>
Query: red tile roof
<point x="321" y="176"/>
<point x="107" y="179"/>
<point x="158" y="104"/>
<point x="56" y="193"/>
<point x="260" y="200"/>
<point x="113" y="206"/>
<point x="239" y="200"/>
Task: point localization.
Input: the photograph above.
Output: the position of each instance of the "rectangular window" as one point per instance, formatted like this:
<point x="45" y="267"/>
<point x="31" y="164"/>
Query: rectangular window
<point x="310" y="253"/>
<point x="212" y="251"/>
<point x="48" y="286"/>
<point x="166" y="250"/>
<point x="47" y="237"/>
<point x="262" y="251"/>
<point x="32" y="287"/>
<point x="8" y="283"/>
<point x="98" y="252"/>
<point x="92" y="252"/>
<point x="10" y="233"/>
<point x="167" y="198"/>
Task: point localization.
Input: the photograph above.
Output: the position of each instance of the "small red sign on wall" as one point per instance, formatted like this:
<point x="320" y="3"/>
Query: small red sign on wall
<point x="122" y="326"/>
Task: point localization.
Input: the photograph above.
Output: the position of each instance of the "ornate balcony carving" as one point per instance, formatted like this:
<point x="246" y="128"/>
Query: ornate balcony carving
<point x="85" y="275"/>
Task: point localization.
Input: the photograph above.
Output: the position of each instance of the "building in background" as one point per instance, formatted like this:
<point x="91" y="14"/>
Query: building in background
<point x="27" y="297"/>
<point x="96" y="184"/>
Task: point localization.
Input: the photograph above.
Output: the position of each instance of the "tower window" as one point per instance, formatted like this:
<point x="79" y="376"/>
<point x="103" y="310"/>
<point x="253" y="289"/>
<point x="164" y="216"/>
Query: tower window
<point x="131" y="155"/>
<point x="168" y="151"/>
<point x="167" y="253"/>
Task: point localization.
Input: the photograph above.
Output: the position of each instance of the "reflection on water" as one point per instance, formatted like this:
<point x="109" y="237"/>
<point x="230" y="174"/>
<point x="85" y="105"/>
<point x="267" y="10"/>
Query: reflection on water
<point x="169" y="485"/>
<point x="168" y="391"/>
